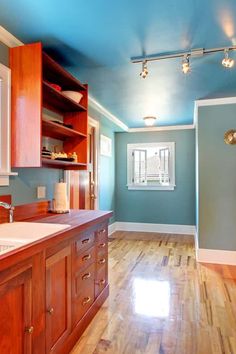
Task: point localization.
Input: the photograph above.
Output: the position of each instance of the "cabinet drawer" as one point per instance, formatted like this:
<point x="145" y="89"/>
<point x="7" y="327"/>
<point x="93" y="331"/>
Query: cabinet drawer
<point x="85" y="241"/>
<point x="101" y="280"/>
<point x="84" y="259"/>
<point x="102" y="261"/>
<point x="83" y="293"/>
<point x="102" y="249"/>
<point x="102" y="233"/>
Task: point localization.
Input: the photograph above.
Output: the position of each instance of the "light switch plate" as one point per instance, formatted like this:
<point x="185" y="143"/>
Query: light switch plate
<point x="41" y="192"/>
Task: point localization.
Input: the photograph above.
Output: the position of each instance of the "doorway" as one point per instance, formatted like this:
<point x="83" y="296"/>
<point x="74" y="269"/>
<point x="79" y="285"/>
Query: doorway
<point x="83" y="185"/>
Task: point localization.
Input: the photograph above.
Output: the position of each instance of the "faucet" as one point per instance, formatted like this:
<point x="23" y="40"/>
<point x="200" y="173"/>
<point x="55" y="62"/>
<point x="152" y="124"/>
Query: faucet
<point x="10" y="208"/>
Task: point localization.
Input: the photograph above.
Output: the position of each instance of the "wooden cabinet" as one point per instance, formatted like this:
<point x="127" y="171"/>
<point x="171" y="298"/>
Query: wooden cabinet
<point x="16" y="328"/>
<point x="58" y="298"/>
<point x="33" y="71"/>
<point x="50" y="291"/>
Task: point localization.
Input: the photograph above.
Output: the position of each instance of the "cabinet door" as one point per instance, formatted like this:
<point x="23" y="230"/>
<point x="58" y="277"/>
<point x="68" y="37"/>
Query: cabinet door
<point x="16" y="314"/>
<point x="58" y="299"/>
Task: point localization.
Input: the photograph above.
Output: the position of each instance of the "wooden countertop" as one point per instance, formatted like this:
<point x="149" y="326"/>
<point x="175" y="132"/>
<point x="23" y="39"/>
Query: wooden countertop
<point x="79" y="220"/>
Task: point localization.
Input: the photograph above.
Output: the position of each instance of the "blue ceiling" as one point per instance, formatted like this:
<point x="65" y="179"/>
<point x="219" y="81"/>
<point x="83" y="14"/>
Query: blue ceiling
<point x="96" y="39"/>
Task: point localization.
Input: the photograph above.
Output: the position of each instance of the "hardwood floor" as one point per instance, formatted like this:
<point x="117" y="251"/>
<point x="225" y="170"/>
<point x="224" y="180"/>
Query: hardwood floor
<point x="162" y="301"/>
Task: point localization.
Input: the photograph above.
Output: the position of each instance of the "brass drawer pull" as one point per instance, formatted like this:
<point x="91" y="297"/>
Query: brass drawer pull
<point x="29" y="330"/>
<point x="86" y="240"/>
<point x="50" y="311"/>
<point x="86" y="257"/>
<point x="103" y="231"/>
<point x="102" y="261"/>
<point x="102" y="245"/>
<point x="86" y="276"/>
<point x="102" y="282"/>
<point x="86" y="300"/>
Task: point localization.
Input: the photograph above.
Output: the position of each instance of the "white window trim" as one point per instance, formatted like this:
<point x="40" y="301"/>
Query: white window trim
<point x="5" y="126"/>
<point x="131" y="185"/>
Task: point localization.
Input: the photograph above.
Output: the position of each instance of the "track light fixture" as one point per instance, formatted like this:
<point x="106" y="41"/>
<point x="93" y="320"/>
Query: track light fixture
<point x="227" y="62"/>
<point x="194" y="53"/>
<point x="186" y="65"/>
<point x="144" y="71"/>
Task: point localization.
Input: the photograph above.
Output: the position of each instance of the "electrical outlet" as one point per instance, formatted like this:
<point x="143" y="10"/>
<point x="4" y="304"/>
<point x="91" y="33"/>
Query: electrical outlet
<point x="41" y="192"/>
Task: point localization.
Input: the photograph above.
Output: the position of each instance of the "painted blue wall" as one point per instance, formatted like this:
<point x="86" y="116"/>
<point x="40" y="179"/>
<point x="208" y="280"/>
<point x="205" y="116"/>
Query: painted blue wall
<point x="217" y="178"/>
<point x="161" y="207"/>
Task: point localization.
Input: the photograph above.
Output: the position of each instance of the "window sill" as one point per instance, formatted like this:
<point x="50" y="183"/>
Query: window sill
<point x="151" y="188"/>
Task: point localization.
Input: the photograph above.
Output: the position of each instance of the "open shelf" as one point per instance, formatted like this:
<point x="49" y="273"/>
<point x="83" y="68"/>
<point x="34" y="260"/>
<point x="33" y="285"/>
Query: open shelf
<point x="58" y="131"/>
<point x="53" y="72"/>
<point x="59" y="102"/>
<point x="63" y="164"/>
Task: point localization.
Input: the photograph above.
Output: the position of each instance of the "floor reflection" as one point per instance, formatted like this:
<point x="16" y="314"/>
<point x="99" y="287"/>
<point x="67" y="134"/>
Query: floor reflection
<point x="151" y="297"/>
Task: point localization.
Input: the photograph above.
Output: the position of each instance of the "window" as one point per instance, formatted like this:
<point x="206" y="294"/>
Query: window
<point x="5" y="165"/>
<point x="151" y="166"/>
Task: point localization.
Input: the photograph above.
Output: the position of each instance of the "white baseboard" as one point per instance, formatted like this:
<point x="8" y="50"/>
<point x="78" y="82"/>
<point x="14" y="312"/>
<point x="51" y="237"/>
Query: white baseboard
<point x="147" y="227"/>
<point x="216" y="256"/>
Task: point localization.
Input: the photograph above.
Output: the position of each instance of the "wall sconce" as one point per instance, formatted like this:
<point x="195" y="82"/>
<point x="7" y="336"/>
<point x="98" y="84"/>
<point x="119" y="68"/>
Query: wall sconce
<point x="230" y="137"/>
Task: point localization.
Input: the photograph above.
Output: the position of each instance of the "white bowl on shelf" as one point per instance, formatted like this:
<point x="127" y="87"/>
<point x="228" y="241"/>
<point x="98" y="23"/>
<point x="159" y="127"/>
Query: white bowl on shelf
<point x="73" y="95"/>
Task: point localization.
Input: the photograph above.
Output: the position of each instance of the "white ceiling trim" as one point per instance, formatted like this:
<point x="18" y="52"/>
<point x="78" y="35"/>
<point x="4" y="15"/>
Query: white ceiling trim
<point x="160" y="129"/>
<point x="8" y="39"/>
<point x="211" y="102"/>
<point x="102" y="110"/>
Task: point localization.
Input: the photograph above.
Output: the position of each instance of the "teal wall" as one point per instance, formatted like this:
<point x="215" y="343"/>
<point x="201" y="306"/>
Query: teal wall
<point x="216" y="202"/>
<point x="23" y="187"/>
<point x="161" y="207"/>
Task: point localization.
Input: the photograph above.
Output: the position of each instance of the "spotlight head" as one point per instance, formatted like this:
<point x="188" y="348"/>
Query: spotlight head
<point x="144" y="71"/>
<point x="186" y="69"/>
<point x="227" y="62"/>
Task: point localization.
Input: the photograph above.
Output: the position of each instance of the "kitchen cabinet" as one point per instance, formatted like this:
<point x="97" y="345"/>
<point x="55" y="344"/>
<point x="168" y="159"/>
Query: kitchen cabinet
<point x="58" y="298"/>
<point x="51" y="290"/>
<point x="33" y="72"/>
<point x="16" y="327"/>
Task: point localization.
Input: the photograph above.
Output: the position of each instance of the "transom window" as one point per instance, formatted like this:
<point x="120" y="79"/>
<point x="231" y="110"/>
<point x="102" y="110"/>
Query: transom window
<point x="151" y="166"/>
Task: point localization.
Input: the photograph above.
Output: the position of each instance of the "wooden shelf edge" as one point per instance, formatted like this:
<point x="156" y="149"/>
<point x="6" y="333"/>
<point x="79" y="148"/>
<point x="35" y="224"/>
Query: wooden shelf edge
<point x="55" y="130"/>
<point x="63" y="164"/>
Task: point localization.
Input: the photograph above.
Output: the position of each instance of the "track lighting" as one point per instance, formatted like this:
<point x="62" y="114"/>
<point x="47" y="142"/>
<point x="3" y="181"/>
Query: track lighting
<point x="149" y="121"/>
<point x="227" y="62"/>
<point x="186" y="65"/>
<point x="144" y="72"/>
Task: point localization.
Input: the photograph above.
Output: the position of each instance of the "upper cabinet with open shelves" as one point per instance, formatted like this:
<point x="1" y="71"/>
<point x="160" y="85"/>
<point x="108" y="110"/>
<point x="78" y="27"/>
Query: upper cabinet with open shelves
<point x="33" y="72"/>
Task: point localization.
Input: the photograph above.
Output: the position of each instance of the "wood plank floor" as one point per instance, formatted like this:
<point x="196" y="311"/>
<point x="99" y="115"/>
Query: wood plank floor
<point x="162" y="301"/>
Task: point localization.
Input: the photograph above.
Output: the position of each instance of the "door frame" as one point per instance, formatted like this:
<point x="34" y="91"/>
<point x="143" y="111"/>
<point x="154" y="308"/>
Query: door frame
<point x="96" y="124"/>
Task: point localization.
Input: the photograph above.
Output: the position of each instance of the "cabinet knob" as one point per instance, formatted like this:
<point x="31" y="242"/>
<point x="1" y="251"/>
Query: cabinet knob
<point x="50" y="311"/>
<point x="103" y="231"/>
<point x="102" y="261"/>
<point x="102" y="245"/>
<point x="86" y="276"/>
<point x="102" y="282"/>
<point x="86" y="240"/>
<point x="86" y="257"/>
<point x="86" y="300"/>
<point x="29" y="330"/>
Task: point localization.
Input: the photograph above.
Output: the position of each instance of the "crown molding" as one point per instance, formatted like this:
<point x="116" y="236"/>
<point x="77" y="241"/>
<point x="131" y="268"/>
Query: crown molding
<point x="102" y="110"/>
<point x="211" y="102"/>
<point x="163" y="128"/>
<point x="8" y="39"/>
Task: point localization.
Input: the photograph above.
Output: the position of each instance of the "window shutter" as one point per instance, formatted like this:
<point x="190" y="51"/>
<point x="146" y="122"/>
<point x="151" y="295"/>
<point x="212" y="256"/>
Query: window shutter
<point x="164" y="155"/>
<point x="139" y="166"/>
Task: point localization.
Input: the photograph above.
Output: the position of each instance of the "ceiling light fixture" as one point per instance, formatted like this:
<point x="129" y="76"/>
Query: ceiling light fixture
<point x="144" y="71"/>
<point x="149" y="121"/>
<point x="227" y="62"/>
<point x="193" y="53"/>
<point x="186" y="65"/>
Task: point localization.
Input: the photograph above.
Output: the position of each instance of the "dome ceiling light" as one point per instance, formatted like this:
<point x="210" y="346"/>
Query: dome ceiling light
<point x="149" y="121"/>
<point x="227" y="62"/>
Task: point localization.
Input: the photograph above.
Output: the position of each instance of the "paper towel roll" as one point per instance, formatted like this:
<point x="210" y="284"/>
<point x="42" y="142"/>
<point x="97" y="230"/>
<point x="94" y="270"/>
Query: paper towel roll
<point x="60" y="197"/>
